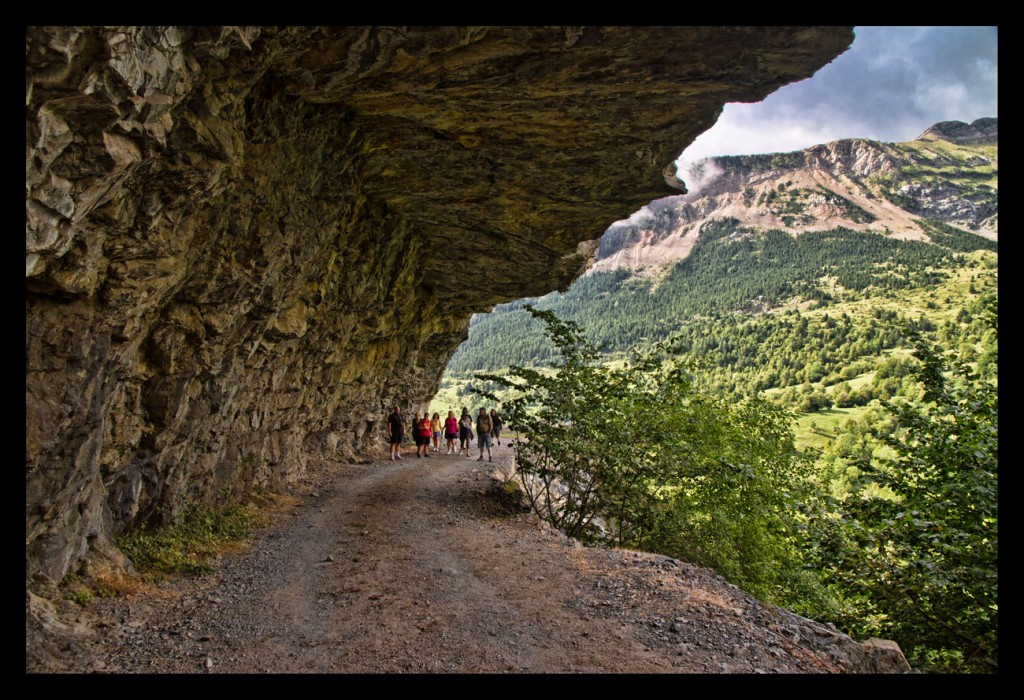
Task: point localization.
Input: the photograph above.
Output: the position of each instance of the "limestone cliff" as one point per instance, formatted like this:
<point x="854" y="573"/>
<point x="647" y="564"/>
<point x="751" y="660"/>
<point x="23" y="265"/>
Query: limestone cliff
<point x="244" y="243"/>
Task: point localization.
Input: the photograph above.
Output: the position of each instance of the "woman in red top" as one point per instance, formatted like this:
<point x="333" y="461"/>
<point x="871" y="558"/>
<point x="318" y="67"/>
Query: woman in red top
<point x="422" y="435"/>
<point x="451" y="431"/>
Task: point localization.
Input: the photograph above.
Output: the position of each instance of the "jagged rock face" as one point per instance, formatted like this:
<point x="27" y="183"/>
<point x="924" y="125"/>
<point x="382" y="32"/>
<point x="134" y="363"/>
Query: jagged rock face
<point x="243" y="244"/>
<point x="855" y="184"/>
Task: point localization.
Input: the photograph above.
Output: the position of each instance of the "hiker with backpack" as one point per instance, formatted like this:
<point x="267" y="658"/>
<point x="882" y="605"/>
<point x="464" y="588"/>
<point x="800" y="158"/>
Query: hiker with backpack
<point x="465" y="431"/>
<point x="483" y="434"/>
<point x="496" y="424"/>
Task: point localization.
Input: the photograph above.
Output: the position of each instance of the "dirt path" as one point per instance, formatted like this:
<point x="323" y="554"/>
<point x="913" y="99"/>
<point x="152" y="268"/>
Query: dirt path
<point x="421" y="566"/>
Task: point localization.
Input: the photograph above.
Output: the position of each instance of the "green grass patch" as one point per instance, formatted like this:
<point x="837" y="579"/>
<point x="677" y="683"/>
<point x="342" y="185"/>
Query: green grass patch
<point x="816" y="430"/>
<point x="75" y="589"/>
<point x="190" y="543"/>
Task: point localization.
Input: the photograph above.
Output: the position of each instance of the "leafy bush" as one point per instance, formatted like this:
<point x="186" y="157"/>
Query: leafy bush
<point x="922" y="568"/>
<point x="75" y="589"/>
<point x="634" y="456"/>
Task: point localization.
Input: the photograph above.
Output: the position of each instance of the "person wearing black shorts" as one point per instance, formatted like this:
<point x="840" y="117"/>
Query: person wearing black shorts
<point x="396" y="431"/>
<point x="451" y="431"/>
<point x="421" y="432"/>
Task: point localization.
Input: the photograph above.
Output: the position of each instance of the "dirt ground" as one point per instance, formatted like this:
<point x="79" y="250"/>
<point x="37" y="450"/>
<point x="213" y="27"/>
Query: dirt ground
<point x="428" y="566"/>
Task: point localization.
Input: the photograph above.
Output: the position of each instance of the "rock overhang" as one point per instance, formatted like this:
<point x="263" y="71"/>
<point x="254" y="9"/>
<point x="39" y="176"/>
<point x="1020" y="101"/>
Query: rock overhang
<point x="537" y="137"/>
<point x="245" y="243"/>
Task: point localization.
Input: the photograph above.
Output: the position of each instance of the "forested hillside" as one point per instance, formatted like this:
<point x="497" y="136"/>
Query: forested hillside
<point x="719" y="298"/>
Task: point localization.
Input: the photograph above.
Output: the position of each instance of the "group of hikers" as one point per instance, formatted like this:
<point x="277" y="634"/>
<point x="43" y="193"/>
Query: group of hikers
<point x="427" y="431"/>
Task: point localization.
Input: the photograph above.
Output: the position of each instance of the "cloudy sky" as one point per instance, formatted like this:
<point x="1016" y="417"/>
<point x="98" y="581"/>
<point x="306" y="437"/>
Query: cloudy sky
<point x="890" y="85"/>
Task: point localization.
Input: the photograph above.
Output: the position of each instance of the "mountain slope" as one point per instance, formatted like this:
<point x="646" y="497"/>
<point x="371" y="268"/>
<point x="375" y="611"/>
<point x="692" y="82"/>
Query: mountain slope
<point x="848" y="225"/>
<point x="949" y="174"/>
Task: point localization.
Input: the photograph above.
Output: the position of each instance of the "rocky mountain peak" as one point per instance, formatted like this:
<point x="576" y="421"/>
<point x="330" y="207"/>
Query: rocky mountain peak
<point x="980" y="131"/>
<point x="856" y="184"/>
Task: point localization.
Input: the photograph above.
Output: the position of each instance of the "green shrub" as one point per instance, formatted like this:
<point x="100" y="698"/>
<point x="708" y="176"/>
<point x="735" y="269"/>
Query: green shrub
<point x="187" y="545"/>
<point x="635" y="456"/>
<point x="921" y="567"/>
<point x="81" y="596"/>
<point x="75" y="589"/>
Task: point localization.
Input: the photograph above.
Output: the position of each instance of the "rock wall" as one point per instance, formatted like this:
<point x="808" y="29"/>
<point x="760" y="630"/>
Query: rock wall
<point x="244" y="243"/>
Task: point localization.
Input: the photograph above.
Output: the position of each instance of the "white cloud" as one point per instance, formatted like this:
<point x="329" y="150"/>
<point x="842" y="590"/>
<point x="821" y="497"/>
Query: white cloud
<point x="698" y="176"/>
<point x="891" y="85"/>
<point x="744" y="129"/>
<point x="636" y="218"/>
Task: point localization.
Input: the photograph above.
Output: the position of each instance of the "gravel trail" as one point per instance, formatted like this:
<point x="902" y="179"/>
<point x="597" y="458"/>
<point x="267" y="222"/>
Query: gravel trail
<point x="428" y="566"/>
